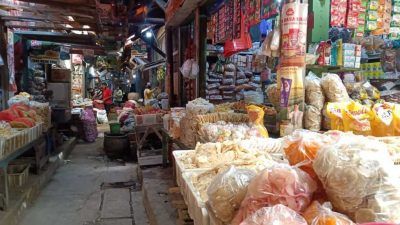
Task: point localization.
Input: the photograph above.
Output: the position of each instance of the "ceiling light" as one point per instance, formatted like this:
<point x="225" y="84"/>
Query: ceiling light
<point x="145" y="29"/>
<point x="70" y="18"/>
<point x="149" y="34"/>
<point x="86" y="27"/>
<point x="131" y="37"/>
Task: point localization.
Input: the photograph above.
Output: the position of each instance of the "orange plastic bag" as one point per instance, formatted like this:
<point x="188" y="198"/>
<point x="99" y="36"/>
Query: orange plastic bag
<point x="317" y="214"/>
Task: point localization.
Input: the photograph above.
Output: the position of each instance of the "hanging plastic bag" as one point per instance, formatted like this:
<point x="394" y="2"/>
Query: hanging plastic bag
<point x="194" y="72"/>
<point x="276" y="35"/>
<point x="186" y="68"/>
<point x="265" y="46"/>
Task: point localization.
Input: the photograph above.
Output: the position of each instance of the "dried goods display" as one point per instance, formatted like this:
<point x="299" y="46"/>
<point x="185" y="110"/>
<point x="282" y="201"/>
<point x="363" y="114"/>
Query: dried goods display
<point x="280" y="184"/>
<point x="227" y="191"/>
<point x="358" y="176"/>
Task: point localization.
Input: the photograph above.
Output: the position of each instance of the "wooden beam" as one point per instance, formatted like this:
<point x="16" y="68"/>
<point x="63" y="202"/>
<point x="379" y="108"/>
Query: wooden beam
<point x="61" y="3"/>
<point x="161" y="3"/>
<point x="64" y="10"/>
<point x="48" y="28"/>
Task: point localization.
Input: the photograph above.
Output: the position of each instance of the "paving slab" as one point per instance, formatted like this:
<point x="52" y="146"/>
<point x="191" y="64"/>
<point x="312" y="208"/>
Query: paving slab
<point x="116" y="203"/>
<point x="117" y="222"/>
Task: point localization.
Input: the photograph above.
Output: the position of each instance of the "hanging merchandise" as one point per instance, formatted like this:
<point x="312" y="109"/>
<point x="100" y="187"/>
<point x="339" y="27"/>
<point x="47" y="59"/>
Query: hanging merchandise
<point x="237" y="45"/>
<point x="294" y="34"/>
<point x="252" y="9"/>
<point x="269" y="8"/>
<point x="353" y="13"/>
<point x="378" y="18"/>
<point x="360" y="29"/>
<point x="338" y="13"/>
<point x="237" y="18"/>
<point x="221" y="26"/>
<point x="395" y="21"/>
<point x="291" y="88"/>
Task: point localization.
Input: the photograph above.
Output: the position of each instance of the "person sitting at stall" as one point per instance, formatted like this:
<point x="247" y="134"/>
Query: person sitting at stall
<point x="118" y="95"/>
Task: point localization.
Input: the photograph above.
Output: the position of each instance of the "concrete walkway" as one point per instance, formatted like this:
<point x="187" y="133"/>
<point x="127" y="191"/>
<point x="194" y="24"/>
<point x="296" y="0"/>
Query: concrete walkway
<point x="90" y="190"/>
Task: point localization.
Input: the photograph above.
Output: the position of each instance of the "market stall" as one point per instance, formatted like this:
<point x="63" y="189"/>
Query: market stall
<point x="327" y="88"/>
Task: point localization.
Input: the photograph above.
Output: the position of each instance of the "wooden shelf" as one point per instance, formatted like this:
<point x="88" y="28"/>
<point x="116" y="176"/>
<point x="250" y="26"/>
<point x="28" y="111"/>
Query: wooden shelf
<point x="332" y="68"/>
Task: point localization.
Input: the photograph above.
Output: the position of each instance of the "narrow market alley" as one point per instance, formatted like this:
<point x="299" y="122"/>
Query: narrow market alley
<point x="88" y="189"/>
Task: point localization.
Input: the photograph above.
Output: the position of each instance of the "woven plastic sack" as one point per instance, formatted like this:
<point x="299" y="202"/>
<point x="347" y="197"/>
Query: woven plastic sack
<point x="280" y="184"/>
<point x="227" y="190"/>
<point x="276" y="215"/>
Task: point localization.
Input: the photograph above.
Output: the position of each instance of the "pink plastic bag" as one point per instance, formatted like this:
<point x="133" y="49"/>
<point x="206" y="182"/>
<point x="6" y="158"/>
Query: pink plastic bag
<point x="277" y="215"/>
<point x="281" y="184"/>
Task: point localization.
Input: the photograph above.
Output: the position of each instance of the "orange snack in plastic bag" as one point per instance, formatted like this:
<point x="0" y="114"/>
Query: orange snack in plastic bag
<point x="256" y="117"/>
<point x="301" y="148"/>
<point x="317" y="214"/>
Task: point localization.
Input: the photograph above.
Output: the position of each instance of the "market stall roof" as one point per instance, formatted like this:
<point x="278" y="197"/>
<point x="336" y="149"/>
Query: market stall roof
<point x="110" y="20"/>
<point x="58" y="37"/>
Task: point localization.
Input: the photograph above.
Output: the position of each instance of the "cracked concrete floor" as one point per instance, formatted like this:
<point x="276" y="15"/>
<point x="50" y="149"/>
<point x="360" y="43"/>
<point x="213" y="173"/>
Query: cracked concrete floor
<point x="89" y="190"/>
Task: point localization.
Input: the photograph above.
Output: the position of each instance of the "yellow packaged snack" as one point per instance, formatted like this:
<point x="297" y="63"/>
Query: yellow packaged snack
<point x="335" y="114"/>
<point x="382" y="119"/>
<point x="256" y="118"/>
<point x="396" y="120"/>
<point x="357" y="118"/>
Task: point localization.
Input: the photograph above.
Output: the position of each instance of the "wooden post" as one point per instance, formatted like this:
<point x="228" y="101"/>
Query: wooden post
<point x="4" y="69"/>
<point x="169" y="82"/>
<point x="202" y="45"/>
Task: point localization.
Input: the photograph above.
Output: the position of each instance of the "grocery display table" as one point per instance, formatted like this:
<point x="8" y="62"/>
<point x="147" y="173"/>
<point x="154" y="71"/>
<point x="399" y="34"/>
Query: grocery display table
<point x="4" y="196"/>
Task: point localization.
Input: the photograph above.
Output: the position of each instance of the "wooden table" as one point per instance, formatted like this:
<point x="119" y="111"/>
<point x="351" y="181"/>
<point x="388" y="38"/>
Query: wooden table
<point x="141" y="134"/>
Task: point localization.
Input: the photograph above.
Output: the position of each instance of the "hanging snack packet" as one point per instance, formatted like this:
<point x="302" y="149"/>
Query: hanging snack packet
<point x="356" y="118"/>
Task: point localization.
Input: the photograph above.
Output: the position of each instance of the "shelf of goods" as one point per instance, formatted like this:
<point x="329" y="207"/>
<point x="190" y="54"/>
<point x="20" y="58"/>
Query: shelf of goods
<point x="8" y="145"/>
